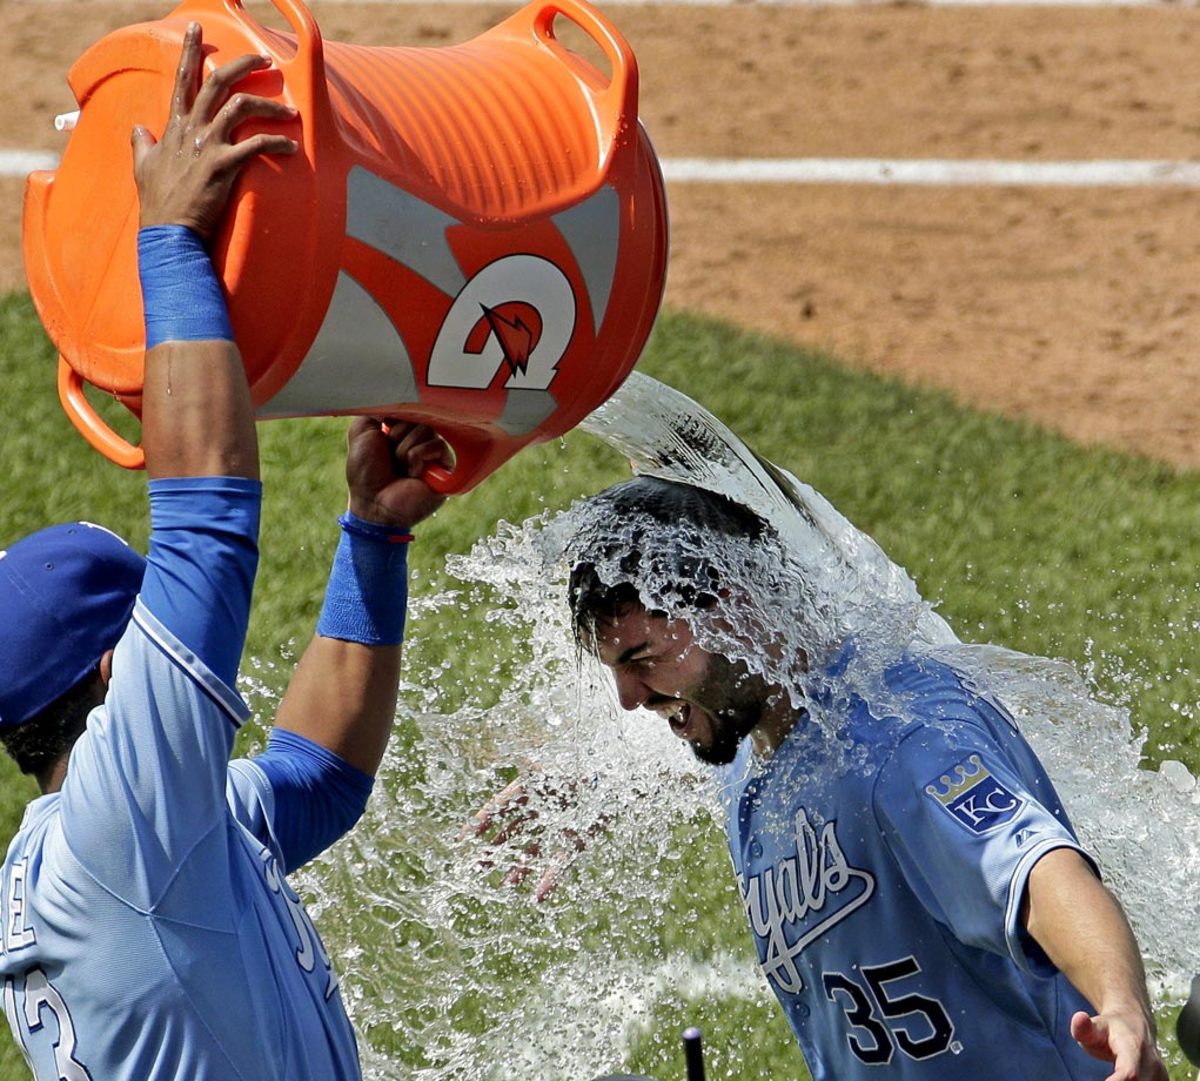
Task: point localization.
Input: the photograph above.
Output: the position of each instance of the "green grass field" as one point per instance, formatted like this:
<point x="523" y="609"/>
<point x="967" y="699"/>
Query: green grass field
<point x="1021" y="537"/>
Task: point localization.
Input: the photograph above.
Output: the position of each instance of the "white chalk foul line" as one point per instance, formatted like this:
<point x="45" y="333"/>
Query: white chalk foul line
<point x="899" y="171"/>
<point x="858" y="3"/>
<point x="22" y="162"/>
<point x="1082" y="174"/>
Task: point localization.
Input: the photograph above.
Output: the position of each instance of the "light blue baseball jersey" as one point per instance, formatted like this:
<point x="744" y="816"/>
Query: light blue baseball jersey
<point x="882" y="874"/>
<point x="148" y="930"/>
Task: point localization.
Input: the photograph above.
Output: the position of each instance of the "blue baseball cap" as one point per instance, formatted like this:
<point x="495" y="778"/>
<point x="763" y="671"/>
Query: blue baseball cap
<point x="66" y="594"/>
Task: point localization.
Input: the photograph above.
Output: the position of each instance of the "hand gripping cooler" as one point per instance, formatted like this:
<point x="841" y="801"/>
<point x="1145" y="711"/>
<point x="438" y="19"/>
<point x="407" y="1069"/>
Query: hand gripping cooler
<point x="472" y="236"/>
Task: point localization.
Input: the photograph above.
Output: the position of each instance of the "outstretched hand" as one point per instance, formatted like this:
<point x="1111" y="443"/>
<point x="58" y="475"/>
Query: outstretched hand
<point x="185" y="177"/>
<point x="510" y="825"/>
<point x="1124" y="1039"/>
<point x="384" y="463"/>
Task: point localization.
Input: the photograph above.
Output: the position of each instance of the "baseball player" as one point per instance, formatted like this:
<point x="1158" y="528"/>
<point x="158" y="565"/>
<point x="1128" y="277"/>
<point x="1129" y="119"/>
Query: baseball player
<point x="919" y="901"/>
<point x="149" y="931"/>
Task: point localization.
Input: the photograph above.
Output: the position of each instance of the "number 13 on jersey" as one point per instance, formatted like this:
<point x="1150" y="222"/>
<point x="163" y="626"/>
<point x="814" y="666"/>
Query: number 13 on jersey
<point x="43" y="1012"/>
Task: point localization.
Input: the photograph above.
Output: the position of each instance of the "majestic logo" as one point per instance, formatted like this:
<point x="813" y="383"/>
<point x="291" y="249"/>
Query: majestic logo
<point x="796" y="901"/>
<point x="975" y="799"/>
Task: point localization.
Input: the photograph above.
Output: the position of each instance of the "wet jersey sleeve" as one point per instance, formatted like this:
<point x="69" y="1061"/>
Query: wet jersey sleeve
<point x="144" y="799"/>
<point x="297" y="797"/>
<point x="201" y="565"/>
<point x="966" y="831"/>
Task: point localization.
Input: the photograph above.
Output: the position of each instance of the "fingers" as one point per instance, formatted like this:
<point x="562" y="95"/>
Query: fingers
<point x="547" y="884"/>
<point x="1085" y="1032"/>
<point x="522" y="831"/>
<point x="187" y="74"/>
<point x="215" y="93"/>
<point x="210" y="114"/>
<point x="143" y="142"/>
<point x="509" y="815"/>
<point x="216" y="115"/>
<point x="405" y="436"/>
<point x="416" y="447"/>
<point x="384" y="466"/>
<point x="502" y="805"/>
<point x="520" y="871"/>
<point x="242" y="107"/>
<point x="186" y="177"/>
<point x="424" y="455"/>
<point x="1092" y="1034"/>
<point x="359" y="426"/>
<point x="257" y="145"/>
<point x="514" y="826"/>
<point x="1131" y="1051"/>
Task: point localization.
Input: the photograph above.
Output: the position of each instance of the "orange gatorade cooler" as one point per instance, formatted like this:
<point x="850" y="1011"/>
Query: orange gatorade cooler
<point x="472" y="236"/>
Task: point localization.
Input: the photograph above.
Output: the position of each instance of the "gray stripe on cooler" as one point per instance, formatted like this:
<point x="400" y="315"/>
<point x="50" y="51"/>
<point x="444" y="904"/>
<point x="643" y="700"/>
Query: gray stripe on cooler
<point x="403" y="227"/>
<point x="357" y="361"/>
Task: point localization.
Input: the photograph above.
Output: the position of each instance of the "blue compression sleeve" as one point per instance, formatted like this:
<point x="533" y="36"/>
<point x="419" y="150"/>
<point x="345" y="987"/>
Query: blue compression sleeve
<point x="201" y="564"/>
<point x="367" y="595"/>
<point x="181" y="296"/>
<point x="318" y="796"/>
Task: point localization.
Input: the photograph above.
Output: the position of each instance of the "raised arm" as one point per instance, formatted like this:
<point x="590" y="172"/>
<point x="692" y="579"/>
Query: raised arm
<point x="197" y="417"/>
<point x="145" y="792"/>
<point x="342" y="695"/>
<point x="1081" y="927"/>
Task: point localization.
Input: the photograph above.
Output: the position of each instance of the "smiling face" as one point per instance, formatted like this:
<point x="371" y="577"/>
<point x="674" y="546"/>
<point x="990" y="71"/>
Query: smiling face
<point x="708" y="700"/>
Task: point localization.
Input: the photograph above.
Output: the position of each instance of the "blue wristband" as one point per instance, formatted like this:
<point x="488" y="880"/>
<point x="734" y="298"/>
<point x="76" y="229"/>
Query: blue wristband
<point x="181" y="296"/>
<point x="367" y="596"/>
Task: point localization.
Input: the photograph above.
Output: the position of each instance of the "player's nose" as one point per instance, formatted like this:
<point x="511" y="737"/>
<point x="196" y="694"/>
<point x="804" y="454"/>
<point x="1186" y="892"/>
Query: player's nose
<point x="631" y="691"/>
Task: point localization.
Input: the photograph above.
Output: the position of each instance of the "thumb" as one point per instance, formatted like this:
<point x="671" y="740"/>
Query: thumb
<point x="1092" y="1035"/>
<point x="142" y="142"/>
<point x="547" y="884"/>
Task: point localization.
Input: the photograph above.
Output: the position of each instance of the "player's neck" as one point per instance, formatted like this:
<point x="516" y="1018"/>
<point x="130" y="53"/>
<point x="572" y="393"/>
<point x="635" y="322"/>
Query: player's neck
<point x="52" y="780"/>
<point x="779" y="717"/>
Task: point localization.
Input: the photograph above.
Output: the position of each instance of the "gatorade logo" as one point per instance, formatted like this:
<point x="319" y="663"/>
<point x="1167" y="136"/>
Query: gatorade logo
<point x="516" y="326"/>
<point x="517" y="314"/>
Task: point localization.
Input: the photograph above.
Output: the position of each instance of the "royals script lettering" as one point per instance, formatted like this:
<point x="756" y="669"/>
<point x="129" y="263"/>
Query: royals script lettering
<point x="794" y="901"/>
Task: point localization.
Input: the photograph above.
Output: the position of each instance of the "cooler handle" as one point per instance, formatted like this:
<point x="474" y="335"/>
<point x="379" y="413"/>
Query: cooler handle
<point x="88" y="423"/>
<point x="309" y="46"/>
<point x="476" y="455"/>
<point x="306" y="67"/>
<point x="616" y="102"/>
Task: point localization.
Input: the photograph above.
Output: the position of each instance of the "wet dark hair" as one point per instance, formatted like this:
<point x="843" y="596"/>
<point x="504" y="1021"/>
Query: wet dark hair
<point x="644" y="503"/>
<point x="36" y="745"/>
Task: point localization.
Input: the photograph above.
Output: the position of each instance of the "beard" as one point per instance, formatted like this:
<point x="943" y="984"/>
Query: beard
<point x="728" y="733"/>
<point x="736" y="708"/>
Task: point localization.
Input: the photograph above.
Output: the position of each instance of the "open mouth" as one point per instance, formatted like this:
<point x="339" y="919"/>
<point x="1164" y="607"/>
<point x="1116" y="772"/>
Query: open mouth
<point x="680" y="721"/>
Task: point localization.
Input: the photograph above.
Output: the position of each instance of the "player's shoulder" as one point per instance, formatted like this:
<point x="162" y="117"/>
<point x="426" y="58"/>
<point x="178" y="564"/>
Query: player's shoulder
<point x="948" y="730"/>
<point x="35" y="852"/>
<point x="928" y="690"/>
<point x="156" y="659"/>
<point x="922" y="674"/>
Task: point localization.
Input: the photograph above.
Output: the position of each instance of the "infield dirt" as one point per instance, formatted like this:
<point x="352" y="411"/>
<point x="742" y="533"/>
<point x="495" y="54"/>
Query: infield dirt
<point x="1076" y="308"/>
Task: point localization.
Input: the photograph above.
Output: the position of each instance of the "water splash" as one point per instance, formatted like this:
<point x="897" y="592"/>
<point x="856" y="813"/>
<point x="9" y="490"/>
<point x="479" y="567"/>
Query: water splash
<point x="1142" y="825"/>
<point x="451" y="974"/>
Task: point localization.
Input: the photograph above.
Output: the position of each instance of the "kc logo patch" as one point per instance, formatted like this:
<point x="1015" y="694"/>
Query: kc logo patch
<point x="974" y="798"/>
